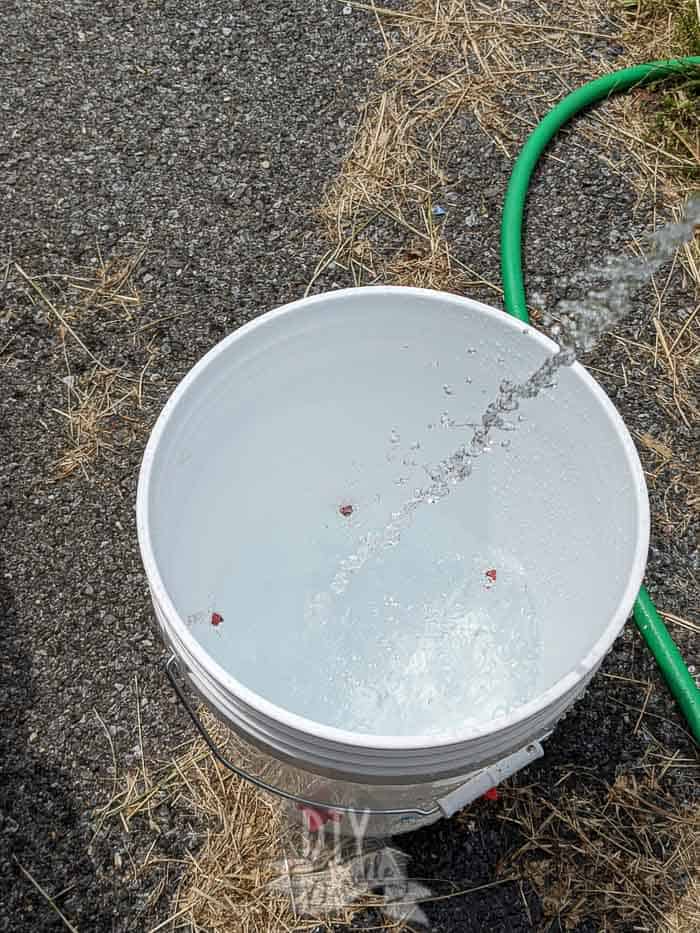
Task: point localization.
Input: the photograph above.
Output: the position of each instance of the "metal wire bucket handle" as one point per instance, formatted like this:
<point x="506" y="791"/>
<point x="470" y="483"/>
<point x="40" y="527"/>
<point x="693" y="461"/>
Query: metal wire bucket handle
<point x="171" y="669"/>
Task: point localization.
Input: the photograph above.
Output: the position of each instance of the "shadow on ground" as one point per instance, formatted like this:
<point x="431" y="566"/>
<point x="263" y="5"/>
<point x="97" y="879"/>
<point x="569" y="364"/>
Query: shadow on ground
<point x="39" y="824"/>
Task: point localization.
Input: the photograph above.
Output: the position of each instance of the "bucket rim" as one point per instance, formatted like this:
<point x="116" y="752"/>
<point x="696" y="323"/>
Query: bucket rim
<point x="368" y="741"/>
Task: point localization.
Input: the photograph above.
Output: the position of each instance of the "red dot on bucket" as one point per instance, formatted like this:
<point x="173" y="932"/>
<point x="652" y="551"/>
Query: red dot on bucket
<point x="216" y="619"/>
<point x="346" y="510"/>
<point x="491" y="794"/>
<point x="491" y="574"/>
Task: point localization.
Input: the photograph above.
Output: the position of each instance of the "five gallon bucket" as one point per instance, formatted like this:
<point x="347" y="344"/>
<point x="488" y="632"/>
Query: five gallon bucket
<point x="394" y="667"/>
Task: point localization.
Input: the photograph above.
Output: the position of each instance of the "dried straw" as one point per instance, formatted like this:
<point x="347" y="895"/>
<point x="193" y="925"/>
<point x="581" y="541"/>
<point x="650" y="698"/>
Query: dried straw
<point x="626" y="854"/>
<point x="101" y="412"/>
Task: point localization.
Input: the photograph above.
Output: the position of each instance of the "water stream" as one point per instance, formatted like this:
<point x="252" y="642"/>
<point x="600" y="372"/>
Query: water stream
<point x="576" y="325"/>
<point x="426" y="625"/>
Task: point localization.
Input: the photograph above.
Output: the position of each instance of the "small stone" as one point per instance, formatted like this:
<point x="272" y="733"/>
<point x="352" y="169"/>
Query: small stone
<point x="226" y="31"/>
<point x="265" y="163"/>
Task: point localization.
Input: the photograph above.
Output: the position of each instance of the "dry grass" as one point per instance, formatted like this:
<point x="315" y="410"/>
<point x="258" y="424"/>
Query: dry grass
<point x="629" y="853"/>
<point x="669" y="367"/>
<point x="98" y="417"/>
<point x="250" y="874"/>
<point x="382" y="213"/>
<point x="664" y="130"/>
<point x="101" y="416"/>
<point x="47" y="897"/>
<point x="626" y="854"/>
<point x="102" y="402"/>
<point x="229" y="882"/>
<point x="256" y="871"/>
<point x="108" y="289"/>
<point x="678" y="477"/>
<point x="660" y="130"/>
<point x="445" y="58"/>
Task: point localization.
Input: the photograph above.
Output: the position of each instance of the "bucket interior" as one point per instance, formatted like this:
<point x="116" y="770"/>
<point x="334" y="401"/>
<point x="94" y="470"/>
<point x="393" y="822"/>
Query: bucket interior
<point x="286" y="454"/>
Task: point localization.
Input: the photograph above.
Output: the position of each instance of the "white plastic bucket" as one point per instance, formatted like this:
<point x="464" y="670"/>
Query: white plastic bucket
<point x="283" y="422"/>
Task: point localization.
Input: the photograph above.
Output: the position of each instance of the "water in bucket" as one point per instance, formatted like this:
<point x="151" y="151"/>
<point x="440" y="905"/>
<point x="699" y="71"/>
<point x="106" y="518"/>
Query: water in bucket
<point x="401" y="621"/>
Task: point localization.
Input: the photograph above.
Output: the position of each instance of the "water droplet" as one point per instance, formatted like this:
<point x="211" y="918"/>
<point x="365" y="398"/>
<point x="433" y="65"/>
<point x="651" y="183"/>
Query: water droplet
<point x="394" y="437"/>
<point x="468" y="380"/>
<point x="448" y="390"/>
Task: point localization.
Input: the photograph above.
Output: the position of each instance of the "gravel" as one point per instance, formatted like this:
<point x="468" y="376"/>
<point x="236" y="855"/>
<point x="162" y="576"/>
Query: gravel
<point x="204" y="133"/>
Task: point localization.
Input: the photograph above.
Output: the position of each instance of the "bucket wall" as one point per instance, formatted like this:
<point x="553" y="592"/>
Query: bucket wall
<point x="287" y="419"/>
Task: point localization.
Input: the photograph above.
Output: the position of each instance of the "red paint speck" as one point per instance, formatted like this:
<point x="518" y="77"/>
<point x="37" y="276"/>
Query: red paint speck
<point x="346" y="510"/>
<point x="491" y="574"/>
<point x="491" y="794"/>
<point x="315" y="817"/>
<point x="216" y="619"/>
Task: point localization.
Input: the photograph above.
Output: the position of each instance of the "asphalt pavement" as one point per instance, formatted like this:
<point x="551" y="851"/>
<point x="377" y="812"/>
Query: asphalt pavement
<point x="203" y="134"/>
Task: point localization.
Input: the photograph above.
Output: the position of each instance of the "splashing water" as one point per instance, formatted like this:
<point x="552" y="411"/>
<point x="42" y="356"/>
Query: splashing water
<point x="582" y="323"/>
<point x="449" y="650"/>
<point x="423" y="644"/>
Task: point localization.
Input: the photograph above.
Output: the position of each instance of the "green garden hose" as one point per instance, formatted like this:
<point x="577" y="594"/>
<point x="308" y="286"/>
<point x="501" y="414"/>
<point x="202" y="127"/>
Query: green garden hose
<point x="648" y="621"/>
